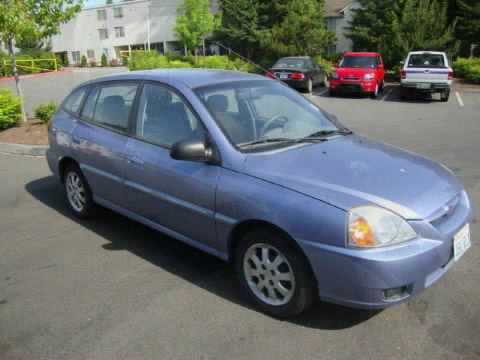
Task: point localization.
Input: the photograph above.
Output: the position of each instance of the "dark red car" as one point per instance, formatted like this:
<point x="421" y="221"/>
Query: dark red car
<point x="362" y="72"/>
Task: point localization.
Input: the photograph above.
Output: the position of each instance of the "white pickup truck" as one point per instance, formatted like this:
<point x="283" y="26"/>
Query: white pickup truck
<point x="426" y="72"/>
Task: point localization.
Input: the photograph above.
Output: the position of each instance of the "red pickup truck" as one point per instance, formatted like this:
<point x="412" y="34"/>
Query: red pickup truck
<point x="362" y="72"/>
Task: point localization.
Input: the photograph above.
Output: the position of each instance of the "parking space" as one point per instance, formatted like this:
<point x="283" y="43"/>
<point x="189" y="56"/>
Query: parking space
<point x="113" y="289"/>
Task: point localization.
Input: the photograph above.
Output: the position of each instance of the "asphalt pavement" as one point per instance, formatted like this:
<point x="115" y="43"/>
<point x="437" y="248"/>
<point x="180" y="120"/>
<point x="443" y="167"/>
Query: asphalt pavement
<point x="113" y="289"/>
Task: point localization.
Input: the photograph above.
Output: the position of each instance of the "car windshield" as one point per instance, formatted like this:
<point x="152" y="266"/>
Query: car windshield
<point x="265" y="113"/>
<point x="358" y="62"/>
<point x="291" y="63"/>
<point x="426" y="60"/>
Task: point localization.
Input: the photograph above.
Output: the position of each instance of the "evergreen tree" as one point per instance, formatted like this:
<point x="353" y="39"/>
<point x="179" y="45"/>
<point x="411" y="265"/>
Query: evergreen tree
<point x="422" y="25"/>
<point x="302" y="30"/>
<point x="468" y="28"/>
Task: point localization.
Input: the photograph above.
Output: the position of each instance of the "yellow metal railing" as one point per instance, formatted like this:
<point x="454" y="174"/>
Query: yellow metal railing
<point x="32" y="66"/>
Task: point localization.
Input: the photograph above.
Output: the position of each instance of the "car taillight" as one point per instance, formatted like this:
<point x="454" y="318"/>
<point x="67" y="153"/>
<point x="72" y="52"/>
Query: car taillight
<point x="450" y="75"/>
<point x="403" y="74"/>
<point x="297" y="76"/>
<point x="270" y="75"/>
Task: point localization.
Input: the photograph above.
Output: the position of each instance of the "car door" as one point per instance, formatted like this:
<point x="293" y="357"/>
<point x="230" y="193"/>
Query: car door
<point x="101" y="138"/>
<point x="177" y="195"/>
<point x="380" y="70"/>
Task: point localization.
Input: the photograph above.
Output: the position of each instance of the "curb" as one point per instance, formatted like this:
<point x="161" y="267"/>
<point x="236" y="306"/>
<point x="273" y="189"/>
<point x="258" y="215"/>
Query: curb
<point x="20" y="149"/>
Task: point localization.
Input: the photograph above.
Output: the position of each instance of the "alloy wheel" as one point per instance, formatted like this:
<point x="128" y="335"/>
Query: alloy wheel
<point x="76" y="194"/>
<point x="269" y="275"/>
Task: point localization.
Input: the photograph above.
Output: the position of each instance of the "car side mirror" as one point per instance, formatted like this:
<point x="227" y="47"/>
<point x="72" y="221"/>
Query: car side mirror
<point x="192" y="150"/>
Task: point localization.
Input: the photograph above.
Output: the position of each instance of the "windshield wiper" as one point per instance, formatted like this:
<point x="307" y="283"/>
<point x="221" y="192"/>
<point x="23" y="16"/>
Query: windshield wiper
<point x="320" y="135"/>
<point x="267" y="141"/>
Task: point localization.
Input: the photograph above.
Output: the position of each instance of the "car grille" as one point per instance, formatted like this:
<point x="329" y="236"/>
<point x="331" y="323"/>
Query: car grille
<point x="351" y="78"/>
<point x="445" y="212"/>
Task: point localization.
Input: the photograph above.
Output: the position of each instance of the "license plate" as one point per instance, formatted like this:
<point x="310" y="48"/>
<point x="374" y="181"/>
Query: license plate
<point x="461" y="242"/>
<point x="283" y="76"/>
<point x="423" y="86"/>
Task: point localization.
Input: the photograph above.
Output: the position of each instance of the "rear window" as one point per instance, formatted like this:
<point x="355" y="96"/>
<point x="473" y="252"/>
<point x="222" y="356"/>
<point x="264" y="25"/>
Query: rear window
<point x="359" y="62"/>
<point x="74" y="101"/>
<point x="293" y="63"/>
<point x="426" y="61"/>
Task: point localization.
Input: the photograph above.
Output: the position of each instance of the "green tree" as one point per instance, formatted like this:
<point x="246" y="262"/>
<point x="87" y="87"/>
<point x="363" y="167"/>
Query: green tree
<point x="301" y="31"/>
<point x="468" y="27"/>
<point x="104" y="60"/>
<point x="371" y="26"/>
<point x="194" y="22"/>
<point x="239" y="25"/>
<point x="40" y="18"/>
<point x="422" y="25"/>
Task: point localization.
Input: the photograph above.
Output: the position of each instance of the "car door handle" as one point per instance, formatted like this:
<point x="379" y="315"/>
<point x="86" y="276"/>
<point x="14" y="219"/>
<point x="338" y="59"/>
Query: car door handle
<point x="135" y="160"/>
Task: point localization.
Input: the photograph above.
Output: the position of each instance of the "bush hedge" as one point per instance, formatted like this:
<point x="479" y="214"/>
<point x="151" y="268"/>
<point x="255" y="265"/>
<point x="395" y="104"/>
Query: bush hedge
<point x="10" y="110"/>
<point x="468" y="69"/>
<point x="45" y="112"/>
<point x="140" y="60"/>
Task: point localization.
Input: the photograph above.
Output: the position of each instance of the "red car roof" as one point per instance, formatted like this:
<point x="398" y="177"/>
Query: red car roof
<point x="351" y="53"/>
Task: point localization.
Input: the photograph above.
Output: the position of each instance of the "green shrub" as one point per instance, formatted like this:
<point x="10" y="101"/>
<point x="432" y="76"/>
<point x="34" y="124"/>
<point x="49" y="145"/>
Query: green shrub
<point x="45" y="112"/>
<point x="140" y="60"/>
<point x="24" y="64"/>
<point x="104" y="60"/>
<point x="327" y="65"/>
<point x="468" y="69"/>
<point x="10" y="110"/>
<point x="83" y="61"/>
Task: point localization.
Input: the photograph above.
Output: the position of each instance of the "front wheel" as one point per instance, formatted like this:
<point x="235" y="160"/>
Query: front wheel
<point x="274" y="274"/>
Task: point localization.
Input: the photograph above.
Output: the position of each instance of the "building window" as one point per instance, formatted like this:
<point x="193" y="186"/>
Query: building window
<point x="76" y="57"/>
<point x="103" y="34"/>
<point x="105" y="52"/>
<point x="101" y="14"/>
<point x="117" y="12"/>
<point x="91" y="54"/>
<point x="119" y="31"/>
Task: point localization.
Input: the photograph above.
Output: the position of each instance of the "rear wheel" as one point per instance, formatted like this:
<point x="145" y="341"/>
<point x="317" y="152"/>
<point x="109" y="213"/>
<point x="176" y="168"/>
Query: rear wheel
<point x="445" y="95"/>
<point x="274" y="274"/>
<point x="77" y="192"/>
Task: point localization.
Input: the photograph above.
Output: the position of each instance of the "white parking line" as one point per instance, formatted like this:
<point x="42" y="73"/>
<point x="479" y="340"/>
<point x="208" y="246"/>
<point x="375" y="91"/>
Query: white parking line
<point x="459" y="99"/>
<point x="322" y="92"/>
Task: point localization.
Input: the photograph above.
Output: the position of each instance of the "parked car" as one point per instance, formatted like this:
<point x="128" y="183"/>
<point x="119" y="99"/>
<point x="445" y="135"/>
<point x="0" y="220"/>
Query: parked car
<point x="360" y="72"/>
<point x="426" y="72"/>
<point x="301" y="72"/>
<point x="248" y="170"/>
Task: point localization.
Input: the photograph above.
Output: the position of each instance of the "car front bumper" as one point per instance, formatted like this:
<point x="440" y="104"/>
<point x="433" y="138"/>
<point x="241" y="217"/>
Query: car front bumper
<point x="367" y="86"/>
<point x="363" y="278"/>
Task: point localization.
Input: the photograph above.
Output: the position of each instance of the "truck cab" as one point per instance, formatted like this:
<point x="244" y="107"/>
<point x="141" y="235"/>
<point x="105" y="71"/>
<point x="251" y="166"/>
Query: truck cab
<point x="426" y="72"/>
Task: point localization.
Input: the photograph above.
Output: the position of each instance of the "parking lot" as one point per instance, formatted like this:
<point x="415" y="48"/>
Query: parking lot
<point x="114" y="289"/>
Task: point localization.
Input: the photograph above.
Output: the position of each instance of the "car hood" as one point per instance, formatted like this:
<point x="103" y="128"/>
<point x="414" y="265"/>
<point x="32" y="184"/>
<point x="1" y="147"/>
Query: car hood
<point x="349" y="171"/>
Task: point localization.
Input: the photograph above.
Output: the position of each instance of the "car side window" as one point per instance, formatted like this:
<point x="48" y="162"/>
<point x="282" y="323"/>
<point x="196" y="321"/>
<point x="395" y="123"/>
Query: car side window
<point x="110" y="105"/>
<point x="74" y="101"/>
<point x="164" y="118"/>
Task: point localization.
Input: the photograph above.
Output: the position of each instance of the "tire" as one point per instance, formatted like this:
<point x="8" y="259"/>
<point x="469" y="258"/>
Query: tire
<point x="77" y="192"/>
<point x="332" y="93"/>
<point x="445" y="95"/>
<point x="309" y="87"/>
<point x="292" y="295"/>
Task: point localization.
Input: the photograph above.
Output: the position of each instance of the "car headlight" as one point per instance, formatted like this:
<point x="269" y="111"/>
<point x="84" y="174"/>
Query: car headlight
<point x="334" y="76"/>
<point x="371" y="226"/>
<point x="369" y="77"/>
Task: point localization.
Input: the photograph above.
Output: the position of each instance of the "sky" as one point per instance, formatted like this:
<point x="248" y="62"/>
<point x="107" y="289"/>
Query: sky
<point x="90" y="3"/>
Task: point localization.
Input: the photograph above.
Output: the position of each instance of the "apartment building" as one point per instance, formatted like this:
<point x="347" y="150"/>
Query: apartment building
<point x="338" y="14"/>
<point x="116" y="28"/>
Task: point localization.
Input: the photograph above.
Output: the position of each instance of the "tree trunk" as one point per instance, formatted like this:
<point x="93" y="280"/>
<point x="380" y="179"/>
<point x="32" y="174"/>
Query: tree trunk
<point x="17" y="78"/>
